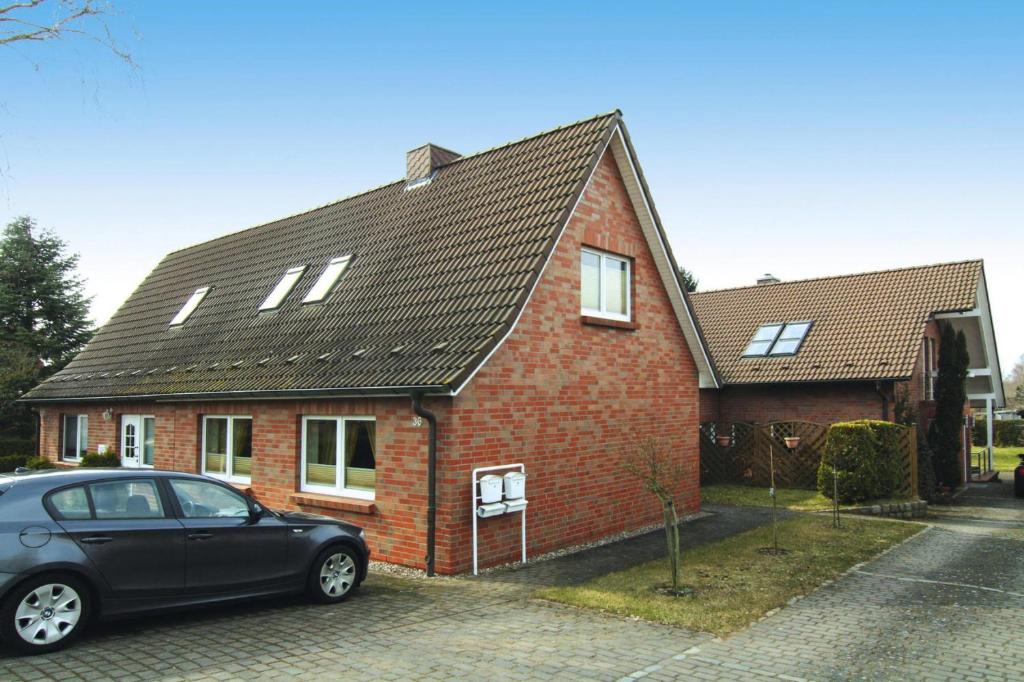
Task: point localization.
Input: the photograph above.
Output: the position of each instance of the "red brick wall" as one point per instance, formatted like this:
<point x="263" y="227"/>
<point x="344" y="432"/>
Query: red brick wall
<point x="396" y="528"/>
<point x="822" y="403"/>
<point x="564" y="397"/>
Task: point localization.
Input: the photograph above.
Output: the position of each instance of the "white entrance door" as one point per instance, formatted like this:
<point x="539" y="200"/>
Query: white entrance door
<point x="131" y="440"/>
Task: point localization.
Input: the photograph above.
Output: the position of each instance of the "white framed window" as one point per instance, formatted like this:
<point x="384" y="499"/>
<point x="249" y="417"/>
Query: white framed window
<point x="283" y="288"/>
<point x="331" y="274"/>
<point x="76" y="436"/>
<point x="339" y="456"/>
<point x="930" y="363"/>
<point x="227" y="447"/>
<point x="190" y="306"/>
<point x="605" y="285"/>
<point x="776" y="338"/>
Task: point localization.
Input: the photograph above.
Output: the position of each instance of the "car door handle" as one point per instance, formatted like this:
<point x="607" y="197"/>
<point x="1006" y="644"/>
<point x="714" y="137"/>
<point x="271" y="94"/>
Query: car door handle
<point x="97" y="539"/>
<point x="202" y="535"/>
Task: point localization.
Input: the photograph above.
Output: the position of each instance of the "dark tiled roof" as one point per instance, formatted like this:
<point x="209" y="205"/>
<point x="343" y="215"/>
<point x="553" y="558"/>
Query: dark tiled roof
<point x="866" y="326"/>
<point x="439" y="274"/>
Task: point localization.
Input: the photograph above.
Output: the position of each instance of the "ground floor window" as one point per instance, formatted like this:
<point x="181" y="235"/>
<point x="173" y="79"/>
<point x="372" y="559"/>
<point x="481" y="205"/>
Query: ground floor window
<point x="227" y="447"/>
<point x="339" y="455"/>
<point x="76" y="436"/>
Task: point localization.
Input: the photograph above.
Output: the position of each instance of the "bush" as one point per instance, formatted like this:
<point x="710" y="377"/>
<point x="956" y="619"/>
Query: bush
<point x="866" y="454"/>
<point x="1006" y="433"/>
<point x="12" y="462"/>
<point x="925" y="471"/>
<point x="16" y="446"/>
<point x="39" y="463"/>
<point x="105" y="460"/>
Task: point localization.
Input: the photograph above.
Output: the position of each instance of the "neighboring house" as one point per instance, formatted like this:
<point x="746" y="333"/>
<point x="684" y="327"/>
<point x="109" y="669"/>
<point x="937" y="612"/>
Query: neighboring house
<point x="525" y="296"/>
<point x="845" y="347"/>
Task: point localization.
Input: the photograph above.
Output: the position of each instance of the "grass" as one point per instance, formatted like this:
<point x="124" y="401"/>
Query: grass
<point x="1004" y="459"/>
<point x="734" y="584"/>
<point x="797" y="500"/>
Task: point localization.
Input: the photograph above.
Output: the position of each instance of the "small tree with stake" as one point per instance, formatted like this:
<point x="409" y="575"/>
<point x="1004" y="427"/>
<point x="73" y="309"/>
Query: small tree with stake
<point x="661" y="474"/>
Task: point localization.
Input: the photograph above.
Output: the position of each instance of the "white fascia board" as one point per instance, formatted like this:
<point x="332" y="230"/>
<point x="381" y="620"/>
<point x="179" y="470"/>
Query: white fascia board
<point x="958" y="315"/>
<point x="988" y="335"/>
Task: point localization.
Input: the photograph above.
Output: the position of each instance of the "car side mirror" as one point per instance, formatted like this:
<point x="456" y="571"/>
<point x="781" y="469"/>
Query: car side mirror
<point x="255" y="513"/>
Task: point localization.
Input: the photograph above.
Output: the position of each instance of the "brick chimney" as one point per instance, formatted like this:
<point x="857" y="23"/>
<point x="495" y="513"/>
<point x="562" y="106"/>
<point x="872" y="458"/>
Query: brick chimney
<point x="420" y="163"/>
<point x="768" y="278"/>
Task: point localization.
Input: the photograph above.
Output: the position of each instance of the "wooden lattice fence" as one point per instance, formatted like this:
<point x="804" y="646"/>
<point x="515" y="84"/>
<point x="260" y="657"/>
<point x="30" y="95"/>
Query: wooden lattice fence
<point x="746" y="458"/>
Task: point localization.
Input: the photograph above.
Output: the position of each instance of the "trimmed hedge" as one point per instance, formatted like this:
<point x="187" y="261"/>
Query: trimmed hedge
<point x="1006" y="433"/>
<point x="10" y="446"/>
<point x="106" y="460"/>
<point x="39" y="463"/>
<point x="11" y="462"/>
<point x="866" y="453"/>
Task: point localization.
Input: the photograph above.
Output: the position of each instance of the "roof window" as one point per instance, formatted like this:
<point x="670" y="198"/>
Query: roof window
<point x="190" y="306"/>
<point x="328" y="279"/>
<point x="283" y="288"/>
<point x="777" y="339"/>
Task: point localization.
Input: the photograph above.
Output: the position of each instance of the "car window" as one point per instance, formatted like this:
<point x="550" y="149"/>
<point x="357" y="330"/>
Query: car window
<point x="71" y="503"/>
<point x="132" y="499"/>
<point x="202" y="500"/>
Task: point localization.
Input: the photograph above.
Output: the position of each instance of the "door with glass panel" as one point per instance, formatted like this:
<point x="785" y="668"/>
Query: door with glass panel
<point x="138" y="440"/>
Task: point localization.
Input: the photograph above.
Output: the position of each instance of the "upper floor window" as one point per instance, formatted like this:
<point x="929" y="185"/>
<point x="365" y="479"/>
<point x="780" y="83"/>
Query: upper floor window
<point x="76" y="436"/>
<point x="930" y="365"/>
<point x="777" y="339"/>
<point x="327" y="280"/>
<point x="605" y="285"/>
<point x="283" y="288"/>
<point x="190" y="306"/>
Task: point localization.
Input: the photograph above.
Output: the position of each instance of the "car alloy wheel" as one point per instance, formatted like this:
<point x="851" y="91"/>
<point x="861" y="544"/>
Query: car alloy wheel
<point x="337" y="575"/>
<point x="48" y="614"/>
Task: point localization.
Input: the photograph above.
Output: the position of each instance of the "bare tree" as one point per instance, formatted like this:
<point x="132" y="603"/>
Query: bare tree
<point x="37" y="21"/>
<point x="661" y="474"/>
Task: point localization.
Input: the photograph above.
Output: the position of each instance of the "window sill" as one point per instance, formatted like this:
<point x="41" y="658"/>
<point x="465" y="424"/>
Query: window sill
<point x="335" y="503"/>
<point x="608" y="322"/>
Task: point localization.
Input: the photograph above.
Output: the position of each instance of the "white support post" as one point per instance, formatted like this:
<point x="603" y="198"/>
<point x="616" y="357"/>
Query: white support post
<point x="475" y="497"/>
<point x="988" y="429"/>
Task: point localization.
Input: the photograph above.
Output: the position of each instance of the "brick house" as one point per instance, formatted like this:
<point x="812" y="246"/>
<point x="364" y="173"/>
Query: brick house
<point x="519" y="305"/>
<point x="846" y="347"/>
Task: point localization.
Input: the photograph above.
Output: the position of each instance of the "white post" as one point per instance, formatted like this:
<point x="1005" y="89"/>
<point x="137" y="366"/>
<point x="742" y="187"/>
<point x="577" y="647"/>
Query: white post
<point x="988" y="429"/>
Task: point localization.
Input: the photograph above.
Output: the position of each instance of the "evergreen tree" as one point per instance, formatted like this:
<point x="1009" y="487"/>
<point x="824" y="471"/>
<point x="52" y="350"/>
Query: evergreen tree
<point x="43" y="316"/>
<point x="944" y="434"/>
<point x="690" y="282"/>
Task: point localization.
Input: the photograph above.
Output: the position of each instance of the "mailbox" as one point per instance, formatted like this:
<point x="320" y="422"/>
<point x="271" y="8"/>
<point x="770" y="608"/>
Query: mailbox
<point x="490" y="489"/>
<point x="515" y="485"/>
<point x="486" y="511"/>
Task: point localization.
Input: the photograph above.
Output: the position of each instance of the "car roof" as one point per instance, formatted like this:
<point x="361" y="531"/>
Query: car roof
<point x="52" y="478"/>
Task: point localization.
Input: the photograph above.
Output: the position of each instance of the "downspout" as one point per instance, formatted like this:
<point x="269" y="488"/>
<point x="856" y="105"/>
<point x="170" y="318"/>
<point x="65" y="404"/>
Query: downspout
<point x="885" y="401"/>
<point x="431" y="418"/>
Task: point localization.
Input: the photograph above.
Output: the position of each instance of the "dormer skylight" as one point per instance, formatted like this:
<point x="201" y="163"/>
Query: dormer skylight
<point x="777" y="339"/>
<point x="283" y="288"/>
<point x="328" y="279"/>
<point x="190" y="306"/>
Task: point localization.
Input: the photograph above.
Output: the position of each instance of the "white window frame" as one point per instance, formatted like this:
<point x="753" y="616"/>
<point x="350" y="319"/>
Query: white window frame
<point x="603" y="290"/>
<point x="82" y="427"/>
<point x="229" y="463"/>
<point x="277" y="296"/>
<point x="190" y="306"/>
<point x="328" y="279"/>
<point x="339" y="488"/>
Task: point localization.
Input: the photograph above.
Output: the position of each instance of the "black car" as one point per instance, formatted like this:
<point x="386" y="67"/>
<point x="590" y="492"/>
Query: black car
<point x="84" y="543"/>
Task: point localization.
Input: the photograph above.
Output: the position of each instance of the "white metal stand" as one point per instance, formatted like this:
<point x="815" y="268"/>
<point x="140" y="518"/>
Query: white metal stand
<point x="475" y="499"/>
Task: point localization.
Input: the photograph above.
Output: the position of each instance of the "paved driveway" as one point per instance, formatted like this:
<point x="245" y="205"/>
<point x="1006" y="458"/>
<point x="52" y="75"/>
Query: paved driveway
<point x="948" y="604"/>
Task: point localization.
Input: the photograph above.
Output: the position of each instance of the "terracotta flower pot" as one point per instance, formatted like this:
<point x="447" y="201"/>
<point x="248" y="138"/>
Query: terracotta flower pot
<point x="724" y="441"/>
<point x="792" y="442"/>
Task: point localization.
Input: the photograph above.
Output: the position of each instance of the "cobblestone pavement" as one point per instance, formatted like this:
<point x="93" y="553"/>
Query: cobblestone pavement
<point x="947" y="604"/>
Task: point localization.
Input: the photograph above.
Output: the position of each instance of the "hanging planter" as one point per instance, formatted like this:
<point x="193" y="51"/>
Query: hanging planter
<point x="792" y="442"/>
<point x="724" y="441"/>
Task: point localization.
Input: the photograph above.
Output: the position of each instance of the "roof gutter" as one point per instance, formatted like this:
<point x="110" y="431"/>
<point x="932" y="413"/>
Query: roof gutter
<point x="357" y="392"/>
<point x="417" y="406"/>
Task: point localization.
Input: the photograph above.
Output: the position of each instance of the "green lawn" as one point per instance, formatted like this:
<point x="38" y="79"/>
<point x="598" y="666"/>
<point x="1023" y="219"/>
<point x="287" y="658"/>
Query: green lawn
<point x="797" y="500"/>
<point x="734" y="584"/>
<point x="1005" y="459"/>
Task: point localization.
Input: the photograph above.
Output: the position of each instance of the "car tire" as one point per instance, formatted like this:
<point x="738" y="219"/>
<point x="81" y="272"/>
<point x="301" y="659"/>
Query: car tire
<point x="45" y="613"/>
<point x="334" y="575"/>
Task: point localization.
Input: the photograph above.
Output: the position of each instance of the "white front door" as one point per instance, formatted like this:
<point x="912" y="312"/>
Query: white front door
<point x="131" y="440"/>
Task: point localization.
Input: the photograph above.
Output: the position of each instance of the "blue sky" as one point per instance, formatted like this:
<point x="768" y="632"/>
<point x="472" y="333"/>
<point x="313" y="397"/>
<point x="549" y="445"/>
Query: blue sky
<point x="800" y="138"/>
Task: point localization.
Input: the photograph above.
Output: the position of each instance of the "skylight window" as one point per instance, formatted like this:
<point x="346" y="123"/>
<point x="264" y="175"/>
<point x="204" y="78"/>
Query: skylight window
<point x="777" y="339"/>
<point x="283" y="288"/>
<point x="328" y="279"/>
<point x="790" y="339"/>
<point x="190" y="306"/>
